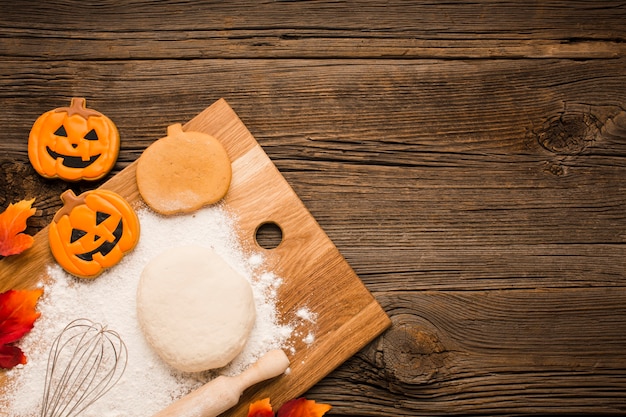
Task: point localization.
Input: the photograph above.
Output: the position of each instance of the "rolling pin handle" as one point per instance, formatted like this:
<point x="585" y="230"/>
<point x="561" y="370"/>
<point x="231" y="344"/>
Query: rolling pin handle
<point x="223" y="392"/>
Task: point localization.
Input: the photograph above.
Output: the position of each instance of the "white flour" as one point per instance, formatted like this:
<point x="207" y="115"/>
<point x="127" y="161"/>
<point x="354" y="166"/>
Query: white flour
<point x="148" y="385"/>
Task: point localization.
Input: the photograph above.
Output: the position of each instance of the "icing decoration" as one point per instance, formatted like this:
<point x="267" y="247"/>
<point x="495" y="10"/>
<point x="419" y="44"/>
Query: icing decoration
<point x="92" y="232"/>
<point x="73" y="143"/>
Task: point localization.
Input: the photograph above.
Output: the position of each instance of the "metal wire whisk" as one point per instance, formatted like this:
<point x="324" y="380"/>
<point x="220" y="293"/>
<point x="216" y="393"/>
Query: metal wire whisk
<point x="85" y="361"/>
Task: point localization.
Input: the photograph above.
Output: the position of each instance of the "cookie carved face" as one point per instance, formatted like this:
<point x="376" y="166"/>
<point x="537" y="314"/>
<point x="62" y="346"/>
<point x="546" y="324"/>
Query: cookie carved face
<point x="92" y="232"/>
<point x="73" y="143"/>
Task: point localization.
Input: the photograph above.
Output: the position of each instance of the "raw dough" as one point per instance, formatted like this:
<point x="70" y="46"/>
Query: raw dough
<point x="194" y="309"/>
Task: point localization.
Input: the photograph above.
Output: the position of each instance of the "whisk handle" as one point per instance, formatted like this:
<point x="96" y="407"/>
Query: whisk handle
<point x="223" y="392"/>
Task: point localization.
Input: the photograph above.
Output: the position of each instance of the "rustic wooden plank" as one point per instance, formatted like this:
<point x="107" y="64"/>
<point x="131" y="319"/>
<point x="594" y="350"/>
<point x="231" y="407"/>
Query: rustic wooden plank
<point x="462" y="18"/>
<point x="490" y="352"/>
<point x="276" y="44"/>
<point x="359" y="29"/>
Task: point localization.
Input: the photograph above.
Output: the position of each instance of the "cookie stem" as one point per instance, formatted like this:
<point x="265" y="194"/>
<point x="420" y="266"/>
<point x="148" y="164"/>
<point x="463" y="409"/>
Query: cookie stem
<point x="78" y="106"/>
<point x="70" y="200"/>
<point x="174" y="129"/>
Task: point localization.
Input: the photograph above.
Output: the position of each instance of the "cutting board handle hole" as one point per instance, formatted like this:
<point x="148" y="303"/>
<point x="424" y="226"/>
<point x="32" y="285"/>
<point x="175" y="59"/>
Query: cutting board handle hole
<point x="268" y="235"/>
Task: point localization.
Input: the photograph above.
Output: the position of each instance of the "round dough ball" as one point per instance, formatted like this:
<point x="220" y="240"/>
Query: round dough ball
<point x="194" y="309"/>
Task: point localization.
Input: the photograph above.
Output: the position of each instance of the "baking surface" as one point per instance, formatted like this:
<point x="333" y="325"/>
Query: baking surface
<point x="314" y="273"/>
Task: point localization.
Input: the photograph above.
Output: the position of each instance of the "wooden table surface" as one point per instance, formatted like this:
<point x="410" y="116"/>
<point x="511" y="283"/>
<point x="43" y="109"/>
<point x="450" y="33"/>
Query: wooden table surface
<point x="467" y="158"/>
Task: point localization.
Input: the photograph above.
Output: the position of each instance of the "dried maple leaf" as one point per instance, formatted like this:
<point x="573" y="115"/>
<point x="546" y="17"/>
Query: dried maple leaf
<point x="261" y="408"/>
<point x="301" y="407"/>
<point x="12" y="224"/>
<point x="17" y="317"/>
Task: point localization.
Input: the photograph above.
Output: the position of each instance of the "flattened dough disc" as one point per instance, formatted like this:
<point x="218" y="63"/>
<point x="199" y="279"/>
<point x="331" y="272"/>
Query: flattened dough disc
<point x="194" y="309"/>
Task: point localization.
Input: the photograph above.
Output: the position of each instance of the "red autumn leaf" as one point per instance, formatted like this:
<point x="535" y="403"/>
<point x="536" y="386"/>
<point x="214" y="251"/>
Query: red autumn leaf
<point x="261" y="408"/>
<point x="17" y="317"/>
<point x="301" y="407"/>
<point x="12" y="224"/>
<point x="11" y="356"/>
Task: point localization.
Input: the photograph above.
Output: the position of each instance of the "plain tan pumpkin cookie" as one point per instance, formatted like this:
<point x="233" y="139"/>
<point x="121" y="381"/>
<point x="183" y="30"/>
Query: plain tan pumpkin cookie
<point x="183" y="171"/>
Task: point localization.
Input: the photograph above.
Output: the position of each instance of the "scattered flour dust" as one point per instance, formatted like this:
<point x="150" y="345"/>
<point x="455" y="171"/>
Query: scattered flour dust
<point x="148" y="384"/>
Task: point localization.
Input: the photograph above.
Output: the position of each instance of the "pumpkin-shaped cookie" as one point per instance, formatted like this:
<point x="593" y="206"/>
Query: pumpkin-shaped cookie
<point x="92" y="232"/>
<point x="73" y="143"/>
<point x="183" y="171"/>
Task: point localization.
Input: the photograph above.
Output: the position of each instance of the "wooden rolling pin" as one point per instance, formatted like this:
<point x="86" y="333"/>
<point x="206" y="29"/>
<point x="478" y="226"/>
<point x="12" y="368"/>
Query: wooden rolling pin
<point x="223" y="392"/>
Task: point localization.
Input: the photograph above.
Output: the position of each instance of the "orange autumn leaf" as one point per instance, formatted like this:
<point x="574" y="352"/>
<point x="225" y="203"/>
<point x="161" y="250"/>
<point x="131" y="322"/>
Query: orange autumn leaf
<point x="17" y="317"/>
<point x="261" y="408"/>
<point x="301" y="407"/>
<point x="12" y="224"/>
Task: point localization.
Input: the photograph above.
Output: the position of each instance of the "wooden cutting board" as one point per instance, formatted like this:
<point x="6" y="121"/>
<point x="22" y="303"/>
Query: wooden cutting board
<point x="314" y="272"/>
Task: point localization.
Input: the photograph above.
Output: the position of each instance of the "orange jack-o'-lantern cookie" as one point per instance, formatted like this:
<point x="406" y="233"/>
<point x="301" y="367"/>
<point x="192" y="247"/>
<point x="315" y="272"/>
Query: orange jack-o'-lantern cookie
<point x="92" y="232"/>
<point x="73" y="143"/>
<point x="183" y="171"/>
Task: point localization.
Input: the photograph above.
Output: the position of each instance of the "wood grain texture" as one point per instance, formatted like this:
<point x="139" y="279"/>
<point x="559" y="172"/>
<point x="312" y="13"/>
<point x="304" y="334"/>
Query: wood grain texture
<point x="547" y="358"/>
<point x="318" y="29"/>
<point x="467" y="159"/>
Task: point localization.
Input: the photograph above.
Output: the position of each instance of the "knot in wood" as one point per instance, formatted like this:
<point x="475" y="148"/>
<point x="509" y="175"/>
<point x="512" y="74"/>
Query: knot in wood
<point x="19" y="180"/>
<point x="569" y="134"/>
<point x="412" y="354"/>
